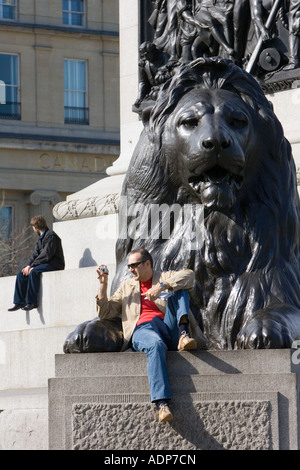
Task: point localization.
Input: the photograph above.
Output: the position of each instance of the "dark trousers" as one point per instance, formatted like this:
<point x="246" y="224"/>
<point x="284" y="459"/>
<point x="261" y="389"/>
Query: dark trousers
<point x="27" y="287"/>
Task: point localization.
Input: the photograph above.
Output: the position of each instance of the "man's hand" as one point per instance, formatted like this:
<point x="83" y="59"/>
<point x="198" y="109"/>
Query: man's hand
<point x="103" y="281"/>
<point x="154" y="292"/>
<point x="26" y="270"/>
<point x="102" y="276"/>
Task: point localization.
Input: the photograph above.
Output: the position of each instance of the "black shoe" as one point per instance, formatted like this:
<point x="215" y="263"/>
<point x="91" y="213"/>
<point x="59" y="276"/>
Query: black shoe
<point x="29" y="306"/>
<point x="15" y="307"/>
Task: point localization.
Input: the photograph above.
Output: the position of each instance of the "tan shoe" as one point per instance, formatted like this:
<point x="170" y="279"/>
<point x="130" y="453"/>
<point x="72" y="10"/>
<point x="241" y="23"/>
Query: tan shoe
<point x="164" y="414"/>
<point x="186" y="343"/>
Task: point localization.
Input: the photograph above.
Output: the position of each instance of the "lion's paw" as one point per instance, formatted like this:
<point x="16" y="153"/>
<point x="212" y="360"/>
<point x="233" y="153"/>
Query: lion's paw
<point x="265" y="333"/>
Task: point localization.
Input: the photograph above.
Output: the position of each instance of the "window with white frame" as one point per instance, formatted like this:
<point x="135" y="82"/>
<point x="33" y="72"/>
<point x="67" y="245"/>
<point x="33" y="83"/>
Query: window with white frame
<point x="10" y="107"/>
<point x="75" y="91"/>
<point x="73" y="12"/>
<point x="8" y="9"/>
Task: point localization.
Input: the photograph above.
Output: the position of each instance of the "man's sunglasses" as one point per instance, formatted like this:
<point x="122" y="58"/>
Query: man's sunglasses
<point x="135" y="265"/>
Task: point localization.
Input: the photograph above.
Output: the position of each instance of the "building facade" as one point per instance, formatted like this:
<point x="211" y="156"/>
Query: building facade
<point x="59" y="102"/>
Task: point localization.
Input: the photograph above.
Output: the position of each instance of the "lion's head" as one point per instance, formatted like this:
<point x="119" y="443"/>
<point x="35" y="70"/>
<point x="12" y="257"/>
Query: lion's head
<point x="212" y="139"/>
<point x="206" y="141"/>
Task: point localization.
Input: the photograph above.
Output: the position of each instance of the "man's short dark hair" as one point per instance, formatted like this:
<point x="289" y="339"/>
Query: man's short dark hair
<point x="39" y="222"/>
<point x="144" y="254"/>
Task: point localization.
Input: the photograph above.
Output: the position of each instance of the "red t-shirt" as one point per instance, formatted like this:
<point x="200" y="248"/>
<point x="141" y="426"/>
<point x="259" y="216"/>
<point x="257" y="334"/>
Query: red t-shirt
<point x="149" y="309"/>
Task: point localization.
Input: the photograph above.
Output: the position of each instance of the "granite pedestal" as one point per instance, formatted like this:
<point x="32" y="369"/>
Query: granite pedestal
<point x="238" y="400"/>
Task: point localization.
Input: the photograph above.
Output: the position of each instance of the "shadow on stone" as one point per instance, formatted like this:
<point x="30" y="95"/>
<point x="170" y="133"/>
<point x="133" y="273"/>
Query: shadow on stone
<point x="219" y="364"/>
<point x="222" y="425"/>
<point x="87" y="260"/>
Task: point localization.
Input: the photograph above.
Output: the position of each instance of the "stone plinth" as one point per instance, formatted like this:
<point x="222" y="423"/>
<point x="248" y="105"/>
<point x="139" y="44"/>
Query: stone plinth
<point x="29" y="342"/>
<point x="239" y="400"/>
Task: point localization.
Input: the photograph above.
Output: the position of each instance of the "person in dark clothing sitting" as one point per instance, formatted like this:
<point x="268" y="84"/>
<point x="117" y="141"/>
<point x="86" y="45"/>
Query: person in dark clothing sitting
<point x="47" y="256"/>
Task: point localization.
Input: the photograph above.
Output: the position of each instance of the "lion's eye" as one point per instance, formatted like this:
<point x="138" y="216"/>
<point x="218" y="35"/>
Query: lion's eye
<point x="189" y="123"/>
<point x="237" y="122"/>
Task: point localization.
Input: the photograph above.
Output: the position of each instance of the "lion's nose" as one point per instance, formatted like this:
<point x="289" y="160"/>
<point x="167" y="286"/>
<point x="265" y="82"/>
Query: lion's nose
<point x="215" y="144"/>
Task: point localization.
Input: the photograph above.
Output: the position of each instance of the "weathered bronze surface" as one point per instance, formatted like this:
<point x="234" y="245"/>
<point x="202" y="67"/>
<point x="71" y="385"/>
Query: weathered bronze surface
<point x="212" y="140"/>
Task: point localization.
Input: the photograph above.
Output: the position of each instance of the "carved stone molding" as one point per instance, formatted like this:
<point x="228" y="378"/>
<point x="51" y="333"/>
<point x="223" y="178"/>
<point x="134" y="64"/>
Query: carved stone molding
<point x="36" y="197"/>
<point x="90" y="207"/>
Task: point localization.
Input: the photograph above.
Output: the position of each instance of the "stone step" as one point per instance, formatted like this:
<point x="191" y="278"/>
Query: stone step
<point x="138" y="384"/>
<point x="183" y="363"/>
<point x="66" y="298"/>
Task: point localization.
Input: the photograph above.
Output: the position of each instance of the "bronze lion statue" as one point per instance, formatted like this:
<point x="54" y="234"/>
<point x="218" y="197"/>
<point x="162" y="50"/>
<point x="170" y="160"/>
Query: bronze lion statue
<point x="212" y="140"/>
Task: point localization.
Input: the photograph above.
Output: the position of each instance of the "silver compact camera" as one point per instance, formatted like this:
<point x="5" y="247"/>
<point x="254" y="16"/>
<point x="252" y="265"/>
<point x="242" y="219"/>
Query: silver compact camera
<point x="103" y="269"/>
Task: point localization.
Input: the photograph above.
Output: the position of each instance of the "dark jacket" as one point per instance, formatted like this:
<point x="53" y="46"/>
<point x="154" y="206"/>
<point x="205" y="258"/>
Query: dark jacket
<point x="48" y="250"/>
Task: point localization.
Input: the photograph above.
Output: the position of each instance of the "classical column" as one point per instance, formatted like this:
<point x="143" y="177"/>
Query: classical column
<point x="131" y="127"/>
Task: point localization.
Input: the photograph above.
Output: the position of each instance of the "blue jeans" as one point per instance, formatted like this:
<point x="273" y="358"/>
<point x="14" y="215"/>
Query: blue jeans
<point x="145" y="338"/>
<point x="27" y="287"/>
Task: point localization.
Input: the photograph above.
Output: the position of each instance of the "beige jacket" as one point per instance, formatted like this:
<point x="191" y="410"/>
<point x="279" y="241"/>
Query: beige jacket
<point x="125" y="303"/>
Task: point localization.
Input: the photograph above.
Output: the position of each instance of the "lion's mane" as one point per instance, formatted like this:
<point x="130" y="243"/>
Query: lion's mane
<point x="249" y="259"/>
